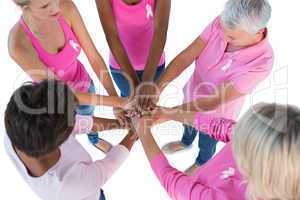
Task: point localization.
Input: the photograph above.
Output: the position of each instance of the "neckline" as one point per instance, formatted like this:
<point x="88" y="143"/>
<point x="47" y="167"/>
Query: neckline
<point x="59" y="20"/>
<point x="131" y="6"/>
<point x="16" y="157"/>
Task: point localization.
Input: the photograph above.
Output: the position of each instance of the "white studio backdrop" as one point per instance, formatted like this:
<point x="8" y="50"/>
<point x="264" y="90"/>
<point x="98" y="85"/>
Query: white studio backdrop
<point x="135" y="180"/>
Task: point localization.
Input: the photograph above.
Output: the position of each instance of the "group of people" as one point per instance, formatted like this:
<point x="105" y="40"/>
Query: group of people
<point x="232" y="56"/>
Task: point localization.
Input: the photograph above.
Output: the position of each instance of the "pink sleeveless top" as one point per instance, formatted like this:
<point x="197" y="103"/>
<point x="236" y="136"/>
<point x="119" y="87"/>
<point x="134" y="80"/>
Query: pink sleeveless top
<point x="63" y="64"/>
<point x="135" y="24"/>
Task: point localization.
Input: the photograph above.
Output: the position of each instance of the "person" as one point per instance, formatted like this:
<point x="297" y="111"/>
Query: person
<point x="136" y="32"/>
<point x="41" y="125"/>
<point x="232" y="55"/>
<point x="46" y="43"/>
<point x="259" y="161"/>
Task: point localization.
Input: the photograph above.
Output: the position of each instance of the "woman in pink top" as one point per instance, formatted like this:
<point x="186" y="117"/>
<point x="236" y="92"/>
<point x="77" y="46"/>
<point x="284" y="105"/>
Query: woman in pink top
<point x="46" y="43"/>
<point x="136" y="32"/>
<point x="232" y="57"/>
<point x="259" y="162"/>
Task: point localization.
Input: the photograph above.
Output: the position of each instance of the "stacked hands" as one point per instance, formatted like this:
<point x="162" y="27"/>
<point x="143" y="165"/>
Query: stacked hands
<point x="141" y="109"/>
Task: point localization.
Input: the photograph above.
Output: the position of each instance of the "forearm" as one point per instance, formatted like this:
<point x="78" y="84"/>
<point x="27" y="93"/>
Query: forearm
<point x="104" y="76"/>
<point x="120" y="55"/>
<point x="201" y="105"/>
<point x="97" y="100"/>
<point x="149" y="144"/>
<point x="101" y="124"/>
<point x="174" y="69"/>
<point x="128" y="141"/>
<point x="175" y="114"/>
<point x="161" y="23"/>
<point x="155" y="54"/>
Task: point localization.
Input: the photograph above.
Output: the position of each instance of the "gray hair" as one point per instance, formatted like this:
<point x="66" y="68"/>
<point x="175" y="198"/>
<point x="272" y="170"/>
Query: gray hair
<point x="266" y="147"/>
<point x="248" y="15"/>
<point x="22" y="3"/>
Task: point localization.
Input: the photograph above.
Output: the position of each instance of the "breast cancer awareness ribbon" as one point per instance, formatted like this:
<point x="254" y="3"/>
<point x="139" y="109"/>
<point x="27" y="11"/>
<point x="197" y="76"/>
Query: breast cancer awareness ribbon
<point x="226" y="67"/>
<point x="149" y="11"/>
<point x="228" y="173"/>
<point x="75" y="45"/>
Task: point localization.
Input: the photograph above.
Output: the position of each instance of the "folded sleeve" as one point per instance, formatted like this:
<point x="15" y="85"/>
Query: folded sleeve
<point x="87" y="178"/>
<point x="218" y="128"/>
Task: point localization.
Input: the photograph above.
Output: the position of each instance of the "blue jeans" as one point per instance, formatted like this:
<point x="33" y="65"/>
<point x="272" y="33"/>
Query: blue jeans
<point x="89" y="110"/>
<point x="102" y="196"/>
<point x="123" y="83"/>
<point x="206" y="144"/>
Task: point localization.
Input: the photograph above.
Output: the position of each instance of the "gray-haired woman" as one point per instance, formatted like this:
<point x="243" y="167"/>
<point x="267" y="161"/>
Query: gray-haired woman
<point x="232" y="57"/>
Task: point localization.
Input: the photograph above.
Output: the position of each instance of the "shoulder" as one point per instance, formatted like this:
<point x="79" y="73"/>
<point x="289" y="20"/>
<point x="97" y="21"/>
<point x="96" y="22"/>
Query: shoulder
<point x="69" y="10"/>
<point x="18" y="42"/>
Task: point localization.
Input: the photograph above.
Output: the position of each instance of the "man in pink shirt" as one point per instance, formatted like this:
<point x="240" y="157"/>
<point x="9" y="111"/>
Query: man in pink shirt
<point x="232" y="57"/>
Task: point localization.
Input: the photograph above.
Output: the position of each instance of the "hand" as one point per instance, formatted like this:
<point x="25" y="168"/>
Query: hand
<point x="141" y="124"/>
<point x="160" y="115"/>
<point x="148" y="96"/>
<point x="121" y="117"/>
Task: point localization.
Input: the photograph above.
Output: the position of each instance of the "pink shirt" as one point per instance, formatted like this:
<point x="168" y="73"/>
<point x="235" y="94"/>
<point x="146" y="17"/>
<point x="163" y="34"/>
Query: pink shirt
<point x="135" y="24"/>
<point x="64" y="64"/>
<point x="245" y="68"/>
<point x="75" y="176"/>
<point x="218" y="179"/>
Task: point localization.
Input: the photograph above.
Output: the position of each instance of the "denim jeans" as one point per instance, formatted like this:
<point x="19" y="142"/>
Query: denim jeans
<point x="102" y="196"/>
<point x="206" y="144"/>
<point x="123" y="83"/>
<point x="89" y="110"/>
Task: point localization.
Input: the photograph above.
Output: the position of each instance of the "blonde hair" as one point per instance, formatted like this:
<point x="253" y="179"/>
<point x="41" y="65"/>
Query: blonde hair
<point x="266" y="146"/>
<point x="22" y="3"/>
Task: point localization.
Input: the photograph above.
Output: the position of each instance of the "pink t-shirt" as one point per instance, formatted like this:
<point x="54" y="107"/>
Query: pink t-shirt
<point x="65" y="64"/>
<point x="218" y="179"/>
<point x="245" y="68"/>
<point x="135" y="24"/>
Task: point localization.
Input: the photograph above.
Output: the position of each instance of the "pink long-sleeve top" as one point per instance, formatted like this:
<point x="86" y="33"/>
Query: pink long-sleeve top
<point x="218" y="179"/>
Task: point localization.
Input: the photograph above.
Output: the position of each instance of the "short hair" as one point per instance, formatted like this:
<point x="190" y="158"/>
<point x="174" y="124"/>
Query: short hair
<point x="266" y="146"/>
<point x="248" y="15"/>
<point x="40" y="117"/>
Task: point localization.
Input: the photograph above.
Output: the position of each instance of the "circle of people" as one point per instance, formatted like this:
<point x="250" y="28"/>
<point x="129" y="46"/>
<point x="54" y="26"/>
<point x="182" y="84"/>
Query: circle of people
<point x="232" y="56"/>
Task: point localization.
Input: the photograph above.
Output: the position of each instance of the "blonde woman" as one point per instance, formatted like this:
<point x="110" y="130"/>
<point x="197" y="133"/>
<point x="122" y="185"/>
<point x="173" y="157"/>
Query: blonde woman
<point x="259" y="162"/>
<point x="46" y="43"/>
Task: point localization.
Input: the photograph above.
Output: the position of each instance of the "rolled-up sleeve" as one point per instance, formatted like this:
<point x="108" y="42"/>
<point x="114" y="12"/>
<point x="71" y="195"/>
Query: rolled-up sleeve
<point x="216" y="127"/>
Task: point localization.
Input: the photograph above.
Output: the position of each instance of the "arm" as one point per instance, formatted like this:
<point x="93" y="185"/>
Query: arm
<point x="180" y="63"/>
<point x="216" y="127"/>
<point x="94" y="99"/>
<point x="161" y="22"/>
<point x="87" y="178"/>
<point x="89" y="48"/>
<point x="113" y="40"/>
<point x="23" y="53"/>
<point x="237" y="85"/>
<point x="221" y="96"/>
<point x="178" y="185"/>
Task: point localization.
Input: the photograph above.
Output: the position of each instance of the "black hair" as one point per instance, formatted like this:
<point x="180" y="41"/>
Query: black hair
<point x="40" y="117"/>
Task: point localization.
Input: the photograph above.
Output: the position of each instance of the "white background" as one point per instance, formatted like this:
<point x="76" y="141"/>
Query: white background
<point x="135" y="179"/>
